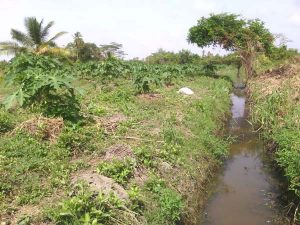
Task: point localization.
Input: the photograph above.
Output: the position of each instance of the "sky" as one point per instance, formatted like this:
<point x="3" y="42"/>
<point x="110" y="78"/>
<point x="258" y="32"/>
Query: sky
<point x="144" y="26"/>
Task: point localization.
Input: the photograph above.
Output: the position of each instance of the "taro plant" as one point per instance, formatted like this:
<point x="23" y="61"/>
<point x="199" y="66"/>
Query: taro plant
<point x="167" y="78"/>
<point x="108" y="69"/>
<point x="144" y="81"/>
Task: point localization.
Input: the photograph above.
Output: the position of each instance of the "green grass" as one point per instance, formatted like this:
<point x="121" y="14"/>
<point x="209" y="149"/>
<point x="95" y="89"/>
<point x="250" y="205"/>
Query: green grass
<point x="162" y="128"/>
<point x="230" y="71"/>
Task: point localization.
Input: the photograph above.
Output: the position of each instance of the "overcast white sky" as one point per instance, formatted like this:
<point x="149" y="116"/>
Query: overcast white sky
<point x="143" y="26"/>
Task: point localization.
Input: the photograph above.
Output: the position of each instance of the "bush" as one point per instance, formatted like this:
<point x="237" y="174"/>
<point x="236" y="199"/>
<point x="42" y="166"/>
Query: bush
<point x="108" y="69"/>
<point x="144" y="81"/>
<point x="24" y="62"/>
<point x="209" y="69"/>
<point x="282" y="53"/>
<point x="42" y="87"/>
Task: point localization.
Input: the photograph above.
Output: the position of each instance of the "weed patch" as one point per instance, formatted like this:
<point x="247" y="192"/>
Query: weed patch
<point x="120" y="171"/>
<point x="275" y="110"/>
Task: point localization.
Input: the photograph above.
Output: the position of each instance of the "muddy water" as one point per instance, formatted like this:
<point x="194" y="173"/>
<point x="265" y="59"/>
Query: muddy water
<point x="245" y="191"/>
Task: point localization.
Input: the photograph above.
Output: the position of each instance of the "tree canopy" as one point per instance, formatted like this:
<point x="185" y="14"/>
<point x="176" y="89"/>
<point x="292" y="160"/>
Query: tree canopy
<point x="113" y="49"/>
<point x="233" y="33"/>
<point x="166" y="57"/>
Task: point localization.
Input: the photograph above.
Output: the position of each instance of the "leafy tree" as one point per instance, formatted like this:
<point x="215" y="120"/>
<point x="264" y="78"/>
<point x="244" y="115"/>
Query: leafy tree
<point x="90" y="51"/>
<point x="186" y="57"/>
<point x="112" y="50"/>
<point x="245" y="37"/>
<point x="83" y="51"/>
<point x="78" y="44"/>
<point x="282" y="52"/>
<point x="162" y="57"/>
<point x="34" y="40"/>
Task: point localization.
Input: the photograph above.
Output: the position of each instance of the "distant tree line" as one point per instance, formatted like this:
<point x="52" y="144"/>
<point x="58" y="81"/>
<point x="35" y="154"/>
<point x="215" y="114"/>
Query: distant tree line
<point x="246" y="39"/>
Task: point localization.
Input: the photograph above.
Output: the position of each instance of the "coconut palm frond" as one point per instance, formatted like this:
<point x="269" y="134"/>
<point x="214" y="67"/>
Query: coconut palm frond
<point x="46" y="30"/>
<point x="21" y="37"/>
<point x="56" y="36"/>
<point x="33" y="28"/>
<point x="34" y="39"/>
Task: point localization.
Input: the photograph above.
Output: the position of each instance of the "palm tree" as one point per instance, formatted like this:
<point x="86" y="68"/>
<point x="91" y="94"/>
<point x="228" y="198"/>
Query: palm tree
<point x="78" y="43"/>
<point x="35" y="38"/>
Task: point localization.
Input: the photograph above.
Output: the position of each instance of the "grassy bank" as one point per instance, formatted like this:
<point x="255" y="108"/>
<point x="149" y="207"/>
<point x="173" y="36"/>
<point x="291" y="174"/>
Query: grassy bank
<point x="275" y="109"/>
<point x="132" y="159"/>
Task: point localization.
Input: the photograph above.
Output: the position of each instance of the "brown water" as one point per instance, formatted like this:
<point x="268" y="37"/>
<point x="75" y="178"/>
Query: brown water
<point x="245" y="192"/>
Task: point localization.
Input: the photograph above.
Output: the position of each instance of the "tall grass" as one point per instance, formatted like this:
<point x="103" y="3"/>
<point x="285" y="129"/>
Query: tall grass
<point x="278" y="115"/>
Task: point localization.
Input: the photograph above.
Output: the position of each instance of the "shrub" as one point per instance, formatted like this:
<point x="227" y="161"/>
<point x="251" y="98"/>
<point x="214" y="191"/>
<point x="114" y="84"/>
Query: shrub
<point x="108" y="69"/>
<point x="42" y="87"/>
<point x="144" y="81"/>
<point x="24" y="62"/>
<point x="282" y="53"/>
<point x="209" y="69"/>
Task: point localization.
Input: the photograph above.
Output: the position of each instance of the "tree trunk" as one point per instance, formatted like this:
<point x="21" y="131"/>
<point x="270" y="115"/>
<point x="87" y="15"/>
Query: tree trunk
<point x="248" y="58"/>
<point x="239" y="71"/>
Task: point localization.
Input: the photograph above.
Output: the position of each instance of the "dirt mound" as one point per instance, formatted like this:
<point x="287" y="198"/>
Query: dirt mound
<point x="99" y="183"/>
<point x="278" y="78"/>
<point x="47" y="128"/>
<point x="140" y="175"/>
<point x="111" y="123"/>
<point x="118" y="152"/>
<point x="284" y="70"/>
